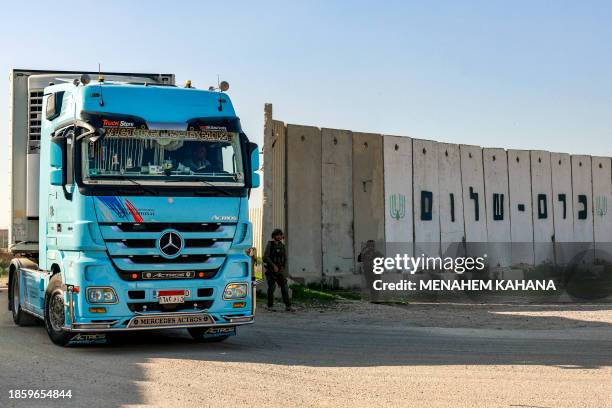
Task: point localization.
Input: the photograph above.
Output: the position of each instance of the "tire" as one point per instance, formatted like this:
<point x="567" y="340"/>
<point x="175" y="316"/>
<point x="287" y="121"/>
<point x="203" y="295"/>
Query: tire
<point x="55" y="312"/>
<point x="20" y="316"/>
<point x="197" y="333"/>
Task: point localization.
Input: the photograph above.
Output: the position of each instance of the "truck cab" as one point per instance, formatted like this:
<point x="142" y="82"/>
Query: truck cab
<point x="142" y="213"/>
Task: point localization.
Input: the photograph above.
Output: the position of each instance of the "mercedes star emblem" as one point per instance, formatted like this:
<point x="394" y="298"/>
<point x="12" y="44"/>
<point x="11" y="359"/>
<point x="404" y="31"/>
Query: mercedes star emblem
<point x="170" y="244"/>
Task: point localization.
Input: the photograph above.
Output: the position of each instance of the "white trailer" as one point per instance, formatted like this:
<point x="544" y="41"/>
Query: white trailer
<point x="25" y="105"/>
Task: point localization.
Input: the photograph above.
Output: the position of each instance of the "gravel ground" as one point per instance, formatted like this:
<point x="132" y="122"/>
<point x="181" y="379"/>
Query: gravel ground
<point x="349" y="354"/>
<point x="500" y="316"/>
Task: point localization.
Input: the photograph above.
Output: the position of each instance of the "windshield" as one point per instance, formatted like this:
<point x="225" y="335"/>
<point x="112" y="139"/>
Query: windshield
<point x="210" y="155"/>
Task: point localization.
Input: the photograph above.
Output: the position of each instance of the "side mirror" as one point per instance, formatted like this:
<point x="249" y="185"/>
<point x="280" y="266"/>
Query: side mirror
<point x="56" y="177"/>
<point x="254" y="149"/>
<point x="255" y="180"/>
<point x="61" y="160"/>
<point x="58" y="147"/>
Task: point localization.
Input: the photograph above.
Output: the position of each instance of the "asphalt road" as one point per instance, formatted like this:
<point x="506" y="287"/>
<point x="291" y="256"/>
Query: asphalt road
<point x="317" y="358"/>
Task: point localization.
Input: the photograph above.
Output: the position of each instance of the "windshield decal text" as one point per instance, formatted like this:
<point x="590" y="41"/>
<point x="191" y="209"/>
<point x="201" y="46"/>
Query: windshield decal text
<point x="202" y="135"/>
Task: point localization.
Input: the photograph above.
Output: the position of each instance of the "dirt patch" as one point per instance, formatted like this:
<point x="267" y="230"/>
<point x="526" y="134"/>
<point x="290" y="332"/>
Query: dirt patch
<point x="456" y="315"/>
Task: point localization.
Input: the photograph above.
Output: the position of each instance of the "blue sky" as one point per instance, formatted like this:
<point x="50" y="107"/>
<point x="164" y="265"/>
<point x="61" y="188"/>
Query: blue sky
<point x="521" y="74"/>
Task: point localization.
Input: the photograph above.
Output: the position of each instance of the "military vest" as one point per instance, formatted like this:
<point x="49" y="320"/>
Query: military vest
<point x="278" y="254"/>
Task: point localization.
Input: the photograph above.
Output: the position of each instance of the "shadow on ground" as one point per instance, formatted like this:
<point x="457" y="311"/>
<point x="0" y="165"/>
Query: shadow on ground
<point x="376" y="336"/>
<point x="307" y="339"/>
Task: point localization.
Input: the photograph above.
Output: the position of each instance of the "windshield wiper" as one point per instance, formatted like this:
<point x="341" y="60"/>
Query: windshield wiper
<point x="142" y="187"/>
<point x="207" y="183"/>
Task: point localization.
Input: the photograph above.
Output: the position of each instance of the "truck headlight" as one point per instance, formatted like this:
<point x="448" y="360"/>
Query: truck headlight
<point x="103" y="295"/>
<point x="235" y="291"/>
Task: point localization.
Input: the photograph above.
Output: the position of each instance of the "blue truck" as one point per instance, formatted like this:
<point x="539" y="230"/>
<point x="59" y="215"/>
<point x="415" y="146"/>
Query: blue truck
<point x="129" y="206"/>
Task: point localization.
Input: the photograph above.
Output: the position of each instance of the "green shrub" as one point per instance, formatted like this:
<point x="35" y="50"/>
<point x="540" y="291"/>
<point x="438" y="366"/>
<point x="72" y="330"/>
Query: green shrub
<point x="304" y="293"/>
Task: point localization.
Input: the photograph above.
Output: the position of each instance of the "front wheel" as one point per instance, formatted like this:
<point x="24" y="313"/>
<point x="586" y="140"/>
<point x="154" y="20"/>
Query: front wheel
<point x="55" y="312"/>
<point x="199" y="334"/>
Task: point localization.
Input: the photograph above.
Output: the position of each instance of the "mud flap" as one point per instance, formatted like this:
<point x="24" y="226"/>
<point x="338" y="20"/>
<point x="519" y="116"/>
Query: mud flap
<point x="212" y="332"/>
<point x="87" y="338"/>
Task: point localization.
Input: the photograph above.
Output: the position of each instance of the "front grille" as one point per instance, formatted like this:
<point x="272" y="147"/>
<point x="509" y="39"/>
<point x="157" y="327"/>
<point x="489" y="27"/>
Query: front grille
<point x="133" y="248"/>
<point x="202" y="243"/>
<point x="175" y="307"/>
<point x="138" y="243"/>
<point x="151" y="243"/>
<point x="156" y="259"/>
<point x="162" y="226"/>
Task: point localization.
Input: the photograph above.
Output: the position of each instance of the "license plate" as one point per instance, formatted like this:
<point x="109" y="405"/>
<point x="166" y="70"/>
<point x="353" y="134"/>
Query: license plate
<point x="163" y="300"/>
<point x="169" y="296"/>
<point x="186" y="319"/>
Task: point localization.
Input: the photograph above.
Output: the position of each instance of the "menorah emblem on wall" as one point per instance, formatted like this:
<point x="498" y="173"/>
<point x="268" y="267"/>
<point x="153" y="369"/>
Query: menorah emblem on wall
<point x="397" y="209"/>
<point x="601" y="205"/>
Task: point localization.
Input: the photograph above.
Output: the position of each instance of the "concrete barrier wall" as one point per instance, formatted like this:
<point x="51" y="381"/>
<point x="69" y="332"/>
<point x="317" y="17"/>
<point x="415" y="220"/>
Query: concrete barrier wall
<point x="452" y="229"/>
<point x="521" y="211"/>
<point x="582" y="189"/>
<point x="368" y="192"/>
<point x="337" y="202"/>
<point x="563" y="204"/>
<point x="543" y="208"/>
<point x="334" y="190"/>
<point x="274" y="172"/>
<point x="397" y="172"/>
<point x="602" y="195"/>
<point x="426" y="193"/>
<point x="304" y="166"/>
<point x="583" y="198"/>
<point x="474" y="210"/>
<point x="497" y="210"/>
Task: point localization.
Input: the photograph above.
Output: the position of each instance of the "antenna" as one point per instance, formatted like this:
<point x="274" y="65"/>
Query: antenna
<point x="220" y="107"/>
<point x="100" y="80"/>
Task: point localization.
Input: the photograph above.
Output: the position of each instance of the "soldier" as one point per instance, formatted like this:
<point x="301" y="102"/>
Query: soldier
<point x="275" y="261"/>
<point x="366" y="257"/>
